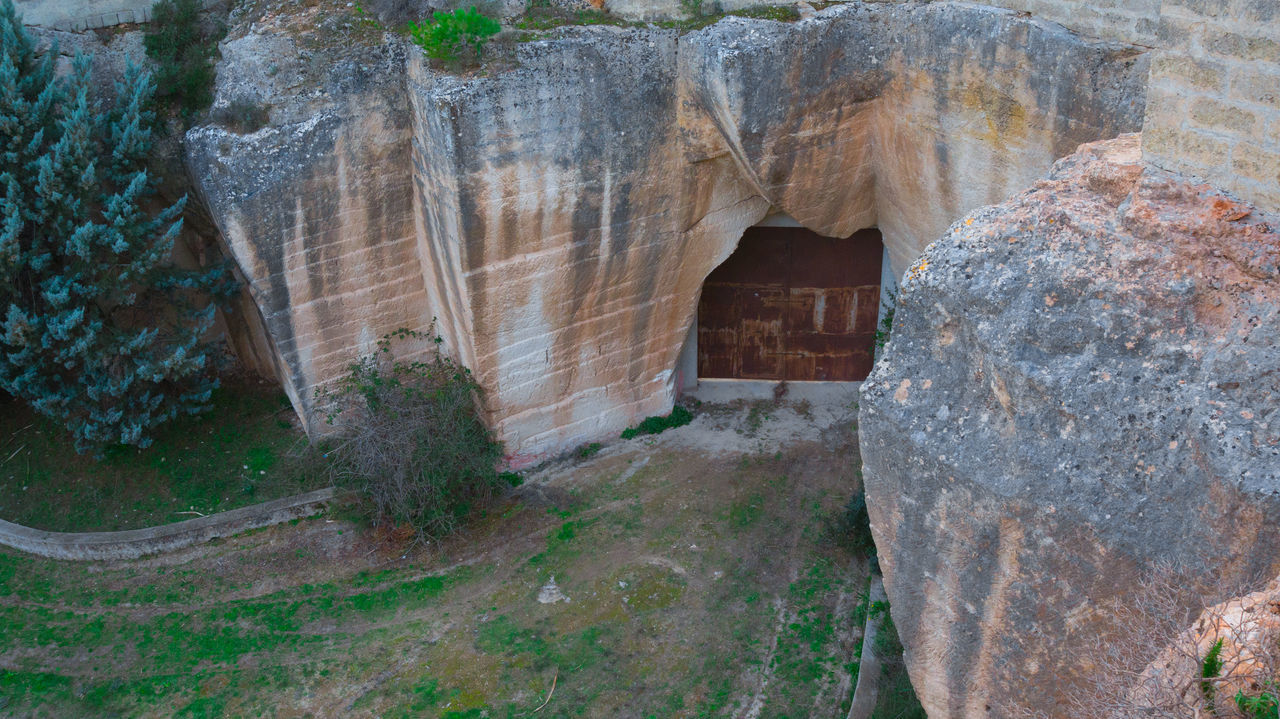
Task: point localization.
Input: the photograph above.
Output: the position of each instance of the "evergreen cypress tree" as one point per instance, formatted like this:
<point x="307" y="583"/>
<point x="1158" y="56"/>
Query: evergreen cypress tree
<point x="96" y="329"/>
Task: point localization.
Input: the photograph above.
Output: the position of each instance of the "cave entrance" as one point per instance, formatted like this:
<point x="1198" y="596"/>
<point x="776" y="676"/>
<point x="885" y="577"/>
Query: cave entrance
<point x="792" y="305"/>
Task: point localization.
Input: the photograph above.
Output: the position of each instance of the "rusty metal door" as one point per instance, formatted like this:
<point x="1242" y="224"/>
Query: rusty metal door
<point x="791" y="304"/>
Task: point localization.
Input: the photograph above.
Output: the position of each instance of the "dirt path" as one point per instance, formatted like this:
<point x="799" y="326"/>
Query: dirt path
<point x="684" y="575"/>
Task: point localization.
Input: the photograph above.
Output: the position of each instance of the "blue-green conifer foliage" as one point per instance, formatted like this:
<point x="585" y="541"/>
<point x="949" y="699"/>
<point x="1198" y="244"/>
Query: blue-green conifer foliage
<point x="97" y="329"/>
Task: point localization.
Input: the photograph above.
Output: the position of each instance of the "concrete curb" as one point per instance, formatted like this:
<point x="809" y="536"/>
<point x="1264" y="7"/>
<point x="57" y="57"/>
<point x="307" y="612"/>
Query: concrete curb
<point x="134" y="543"/>
<point x="867" y="692"/>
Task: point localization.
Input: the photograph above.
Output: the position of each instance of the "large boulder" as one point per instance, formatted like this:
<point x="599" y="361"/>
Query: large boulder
<point x="1082" y="381"/>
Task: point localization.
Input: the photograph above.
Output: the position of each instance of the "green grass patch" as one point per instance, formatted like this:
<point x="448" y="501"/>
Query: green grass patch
<point x="237" y="454"/>
<point x="658" y="424"/>
<point x="744" y="512"/>
<point x="674" y="610"/>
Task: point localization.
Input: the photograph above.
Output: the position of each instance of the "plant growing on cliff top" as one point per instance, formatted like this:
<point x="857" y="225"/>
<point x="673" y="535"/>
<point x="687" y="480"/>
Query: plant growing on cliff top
<point x="453" y="36"/>
<point x="97" y="331"/>
<point x="411" y="440"/>
<point x="183" y="46"/>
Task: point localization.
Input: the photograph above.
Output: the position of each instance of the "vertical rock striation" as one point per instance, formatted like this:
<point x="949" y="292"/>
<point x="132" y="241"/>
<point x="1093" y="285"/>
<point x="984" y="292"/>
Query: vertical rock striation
<point x="559" y="217"/>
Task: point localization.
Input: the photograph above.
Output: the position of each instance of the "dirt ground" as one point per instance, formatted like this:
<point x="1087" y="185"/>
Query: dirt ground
<point x="688" y="574"/>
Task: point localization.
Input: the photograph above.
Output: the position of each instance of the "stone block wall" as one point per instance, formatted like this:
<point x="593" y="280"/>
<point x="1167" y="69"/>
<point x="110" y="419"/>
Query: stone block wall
<point x="86" y="14"/>
<point x="1214" y="96"/>
<point x="1132" y="21"/>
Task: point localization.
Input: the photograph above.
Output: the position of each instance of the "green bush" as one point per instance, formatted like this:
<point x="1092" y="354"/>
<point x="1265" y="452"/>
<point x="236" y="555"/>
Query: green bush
<point x="897" y="697"/>
<point x="183" y="46"/>
<point x="885" y="330"/>
<point x="1210" y="667"/>
<point x="657" y="424"/>
<point x="1265" y="705"/>
<point x="852" y="526"/>
<point x="452" y="37"/>
<point x="411" y="440"/>
<point x="97" y="330"/>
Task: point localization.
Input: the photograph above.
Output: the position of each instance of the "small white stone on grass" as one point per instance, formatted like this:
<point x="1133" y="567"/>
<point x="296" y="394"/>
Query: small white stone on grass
<point x="550" y="593"/>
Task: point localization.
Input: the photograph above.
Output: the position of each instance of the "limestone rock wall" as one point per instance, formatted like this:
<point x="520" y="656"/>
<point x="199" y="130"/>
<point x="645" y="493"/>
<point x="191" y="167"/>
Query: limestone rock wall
<point x="316" y="208"/>
<point x="558" y="217"/>
<point x="558" y="232"/>
<point x="1082" y="381"/>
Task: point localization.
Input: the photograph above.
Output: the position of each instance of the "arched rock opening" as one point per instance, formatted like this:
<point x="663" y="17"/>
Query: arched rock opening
<point x="560" y="218"/>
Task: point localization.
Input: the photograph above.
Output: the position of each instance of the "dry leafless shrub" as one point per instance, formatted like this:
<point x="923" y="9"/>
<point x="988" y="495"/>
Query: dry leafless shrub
<point x="1186" y="646"/>
<point x="411" y="440"/>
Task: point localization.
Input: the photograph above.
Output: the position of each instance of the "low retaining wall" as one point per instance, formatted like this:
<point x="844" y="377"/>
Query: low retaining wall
<point x="134" y="543"/>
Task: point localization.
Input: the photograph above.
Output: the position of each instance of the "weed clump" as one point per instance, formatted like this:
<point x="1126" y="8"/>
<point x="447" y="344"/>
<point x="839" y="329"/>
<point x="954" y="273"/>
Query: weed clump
<point x="658" y="424"/>
<point x="456" y="36"/>
<point x="243" y="116"/>
<point x="411" y="440"/>
<point x="1263" y="706"/>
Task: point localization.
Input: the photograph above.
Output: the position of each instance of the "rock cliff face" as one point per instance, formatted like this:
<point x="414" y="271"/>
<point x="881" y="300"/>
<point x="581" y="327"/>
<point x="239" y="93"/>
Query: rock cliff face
<point x="1082" y="381"/>
<point x="559" y="216"/>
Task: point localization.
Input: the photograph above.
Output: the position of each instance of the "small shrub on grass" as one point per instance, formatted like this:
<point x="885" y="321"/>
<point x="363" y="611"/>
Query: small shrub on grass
<point x="456" y="36"/>
<point x="851" y="528"/>
<point x="658" y="424"/>
<point x="411" y="440"/>
<point x="183" y="46"/>
<point x="897" y="697"/>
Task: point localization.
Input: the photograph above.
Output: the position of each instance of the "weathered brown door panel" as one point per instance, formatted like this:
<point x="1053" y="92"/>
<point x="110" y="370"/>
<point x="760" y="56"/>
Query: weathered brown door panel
<point x="867" y="310"/>
<point x="791" y="304"/>
<point x="760" y="260"/>
<point x="761" y="343"/>
<point x="839" y="358"/>
<point x="719" y="323"/>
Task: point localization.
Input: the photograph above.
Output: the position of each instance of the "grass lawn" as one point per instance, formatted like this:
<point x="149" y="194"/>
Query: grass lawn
<point x="666" y="576"/>
<point x="234" y="455"/>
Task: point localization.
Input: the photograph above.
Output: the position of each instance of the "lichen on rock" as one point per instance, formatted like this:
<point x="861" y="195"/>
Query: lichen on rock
<point x="1082" y="381"/>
